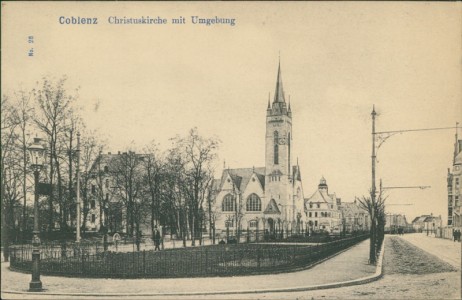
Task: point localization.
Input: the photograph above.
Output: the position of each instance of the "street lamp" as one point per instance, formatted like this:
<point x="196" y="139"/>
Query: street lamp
<point x="37" y="156"/>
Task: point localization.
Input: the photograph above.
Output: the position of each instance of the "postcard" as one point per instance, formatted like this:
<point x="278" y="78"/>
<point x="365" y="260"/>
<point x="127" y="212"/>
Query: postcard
<point x="231" y="150"/>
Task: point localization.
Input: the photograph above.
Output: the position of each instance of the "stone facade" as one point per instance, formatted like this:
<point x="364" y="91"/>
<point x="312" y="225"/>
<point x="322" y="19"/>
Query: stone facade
<point x="267" y="198"/>
<point x="322" y="210"/>
<point x="354" y="218"/>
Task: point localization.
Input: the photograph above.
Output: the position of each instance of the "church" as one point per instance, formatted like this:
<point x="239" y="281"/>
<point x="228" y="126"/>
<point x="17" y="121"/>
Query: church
<point x="270" y="198"/>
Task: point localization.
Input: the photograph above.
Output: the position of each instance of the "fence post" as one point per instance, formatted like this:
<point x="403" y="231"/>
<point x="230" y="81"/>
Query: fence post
<point x="258" y="257"/>
<point x="144" y="261"/>
<point x="206" y="259"/>
<point x="83" y="262"/>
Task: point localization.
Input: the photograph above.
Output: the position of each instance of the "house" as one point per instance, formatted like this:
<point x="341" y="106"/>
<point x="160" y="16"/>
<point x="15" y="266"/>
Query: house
<point x="354" y="218"/>
<point x="322" y="210"/>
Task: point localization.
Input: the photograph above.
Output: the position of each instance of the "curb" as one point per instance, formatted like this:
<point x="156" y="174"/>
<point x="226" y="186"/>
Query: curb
<point x="377" y="275"/>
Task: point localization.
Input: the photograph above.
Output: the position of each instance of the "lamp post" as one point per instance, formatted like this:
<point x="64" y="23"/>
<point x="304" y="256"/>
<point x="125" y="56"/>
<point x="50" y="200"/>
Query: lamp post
<point x="37" y="153"/>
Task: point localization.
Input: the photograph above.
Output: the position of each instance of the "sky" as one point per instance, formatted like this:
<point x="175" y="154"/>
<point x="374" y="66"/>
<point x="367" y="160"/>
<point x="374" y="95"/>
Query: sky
<point x="151" y="82"/>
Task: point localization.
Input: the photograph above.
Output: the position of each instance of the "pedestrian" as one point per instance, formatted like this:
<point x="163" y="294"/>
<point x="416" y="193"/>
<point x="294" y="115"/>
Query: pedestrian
<point x="157" y="240"/>
<point x="458" y="235"/>
<point x="116" y="239"/>
<point x="454" y="234"/>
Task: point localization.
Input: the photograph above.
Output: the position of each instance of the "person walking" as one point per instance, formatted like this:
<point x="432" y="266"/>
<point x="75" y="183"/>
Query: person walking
<point x="157" y="240"/>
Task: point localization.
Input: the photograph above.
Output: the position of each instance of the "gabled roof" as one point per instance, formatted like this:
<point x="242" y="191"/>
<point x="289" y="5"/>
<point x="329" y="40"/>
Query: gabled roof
<point x="216" y="184"/>
<point x="321" y="196"/>
<point x="272" y="208"/>
<point x="422" y="218"/>
<point x="241" y="177"/>
<point x="351" y="208"/>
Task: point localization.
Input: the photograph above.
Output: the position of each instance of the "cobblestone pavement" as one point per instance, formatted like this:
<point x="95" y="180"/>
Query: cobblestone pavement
<point x="446" y="250"/>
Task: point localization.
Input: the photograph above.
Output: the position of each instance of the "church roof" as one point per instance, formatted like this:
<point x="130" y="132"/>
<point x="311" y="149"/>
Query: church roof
<point x="279" y="92"/>
<point x="216" y="184"/>
<point x="241" y="177"/>
<point x="458" y="157"/>
<point x="296" y="173"/>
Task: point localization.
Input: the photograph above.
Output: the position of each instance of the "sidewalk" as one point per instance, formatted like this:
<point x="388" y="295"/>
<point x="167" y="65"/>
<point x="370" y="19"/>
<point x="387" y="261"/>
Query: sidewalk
<point x="447" y="250"/>
<point x="348" y="265"/>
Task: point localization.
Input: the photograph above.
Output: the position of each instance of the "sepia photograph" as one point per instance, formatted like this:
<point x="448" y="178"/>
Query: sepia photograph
<point x="231" y="150"/>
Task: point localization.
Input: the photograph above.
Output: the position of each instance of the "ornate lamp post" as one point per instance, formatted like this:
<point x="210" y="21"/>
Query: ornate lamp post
<point x="37" y="155"/>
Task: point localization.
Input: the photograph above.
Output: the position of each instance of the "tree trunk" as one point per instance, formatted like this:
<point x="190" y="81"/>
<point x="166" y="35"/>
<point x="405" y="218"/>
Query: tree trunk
<point x="193" y="233"/>
<point x="50" y="198"/>
<point x="24" y="183"/>
<point x="372" y="245"/>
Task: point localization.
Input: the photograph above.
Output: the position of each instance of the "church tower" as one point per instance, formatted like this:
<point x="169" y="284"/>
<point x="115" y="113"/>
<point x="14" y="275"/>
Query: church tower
<point x="278" y="147"/>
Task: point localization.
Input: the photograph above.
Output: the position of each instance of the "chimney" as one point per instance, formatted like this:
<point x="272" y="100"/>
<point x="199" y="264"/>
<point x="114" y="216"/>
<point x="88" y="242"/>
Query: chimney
<point x="118" y="153"/>
<point x="109" y="153"/>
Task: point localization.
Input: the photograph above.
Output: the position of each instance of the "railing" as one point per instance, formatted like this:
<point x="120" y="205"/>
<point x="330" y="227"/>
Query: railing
<point x="214" y="260"/>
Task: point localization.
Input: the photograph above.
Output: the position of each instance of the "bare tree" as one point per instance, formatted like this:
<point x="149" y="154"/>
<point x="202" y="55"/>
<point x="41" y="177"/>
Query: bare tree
<point x="199" y="155"/>
<point x="376" y="210"/>
<point x="24" y="114"/>
<point x="90" y="163"/>
<point x="125" y="170"/>
<point x="10" y="172"/>
<point x="154" y="177"/>
<point x="54" y="108"/>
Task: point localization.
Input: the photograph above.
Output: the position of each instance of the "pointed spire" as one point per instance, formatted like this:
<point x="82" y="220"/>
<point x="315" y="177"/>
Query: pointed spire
<point x="279" y="92"/>
<point x="269" y="97"/>
<point x="289" y="110"/>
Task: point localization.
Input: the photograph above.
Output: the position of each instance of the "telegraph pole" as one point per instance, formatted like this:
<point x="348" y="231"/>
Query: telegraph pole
<point x="373" y="157"/>
<point x="372" y="250"/>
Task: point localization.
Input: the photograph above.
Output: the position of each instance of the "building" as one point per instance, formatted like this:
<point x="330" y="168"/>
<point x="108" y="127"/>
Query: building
<point x="454" y="179"/>
<point x="105" y="198"/>
<point x="419" y="223"/>
<point x="427" y="223"/>
<point x="268" y="198"/>
<point x="102" y="205"/>
<point x="354" y="218"/>
<point x="395" y="221"/>
<point x="322" y="210"/>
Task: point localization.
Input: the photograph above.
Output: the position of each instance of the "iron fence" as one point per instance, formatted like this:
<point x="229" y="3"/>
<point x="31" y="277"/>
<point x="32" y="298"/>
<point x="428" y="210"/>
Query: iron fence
<point x="90" y="260"/>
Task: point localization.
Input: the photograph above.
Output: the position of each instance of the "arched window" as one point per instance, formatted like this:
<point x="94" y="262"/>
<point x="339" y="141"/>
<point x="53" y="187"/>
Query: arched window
<point x="228" y="203"/>
<point x="253" y="203"/>
<point x="276" y="148"/>
<point x="253" y="224"/>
